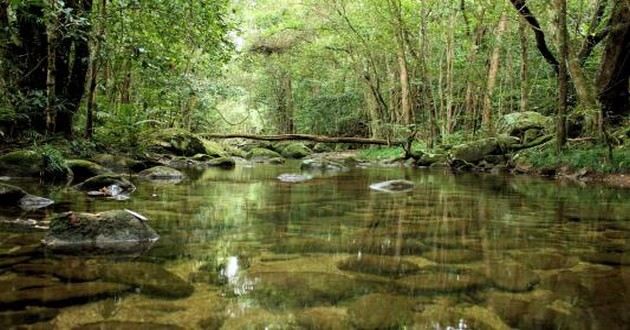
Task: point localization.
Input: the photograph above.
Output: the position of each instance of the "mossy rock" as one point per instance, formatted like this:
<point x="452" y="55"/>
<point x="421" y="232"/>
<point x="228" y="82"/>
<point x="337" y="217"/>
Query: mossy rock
<point x="161" y="173"/>
<point x="235" y="151"/>
<point x="262" y="153"/>
<point x="475" y="151"/>
<point x="214" y="149"/>
<point x="381" y="311"/>
<point x="116" y="162"/>
<point x="85" y="169"/>
<point x="222" y="162"/>
<point x="149" y="278"/>
<point x="106" y="180"/>
<point x="322" y="147"/>
<point x="517" y="123"/>
<point x="294" y="150"/>
<point x="21" y="163"/>
<point x="111" y="230"/>
<point x="179" y="143"/>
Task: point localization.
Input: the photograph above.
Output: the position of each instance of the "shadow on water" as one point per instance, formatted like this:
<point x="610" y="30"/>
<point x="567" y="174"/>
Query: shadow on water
<point x="240" y="249"/>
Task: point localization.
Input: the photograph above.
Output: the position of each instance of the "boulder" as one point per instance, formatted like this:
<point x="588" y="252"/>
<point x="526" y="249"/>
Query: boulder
<point x="322" y="165"/>
<point x="28" y="163"/>
<point x="214" y="149"/>
<point x="15" y="196"/>
<point x="85" y="169"/>
<point x="393" y="186"/>
<point x="475" y="151"/>
<point x="105" y="182"/>
<point x="116" y="162"/>
<point x="118" y="230"/>
<point x="161" y="173"/>
<point x="322" y="147"/>
<point x="294" y="150"/>
<point x="262" y="153"/>
<point x="517" y="124"/>
<point x="378" y="265"/>
<point x="222" y="162"/>
<point x="179" y="143"/>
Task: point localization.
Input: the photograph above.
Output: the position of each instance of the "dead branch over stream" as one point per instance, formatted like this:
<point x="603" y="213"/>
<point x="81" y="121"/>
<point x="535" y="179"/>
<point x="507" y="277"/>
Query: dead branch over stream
<point x="305" y="137"/>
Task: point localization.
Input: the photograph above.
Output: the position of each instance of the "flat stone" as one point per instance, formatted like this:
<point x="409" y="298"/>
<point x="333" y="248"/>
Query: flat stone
<point x="378" y="265"/>
<point x="31" y="203"/>
<point x="60" y="295"/>
<point x="150" y="279"/>
<point x="159" y="173"/>
<point x="512" y="276"/>
<point x="305" y="289"/>
<point x="454" y="256"/>
<point x="126" y="325"/>
<point x="294" y="178"/>
<point x="436" y="281"/>
<point x="381" y="311"/>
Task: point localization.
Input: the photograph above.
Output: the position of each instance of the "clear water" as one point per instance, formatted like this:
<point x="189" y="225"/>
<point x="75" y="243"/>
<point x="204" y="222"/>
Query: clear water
<point x="458" y="252"/>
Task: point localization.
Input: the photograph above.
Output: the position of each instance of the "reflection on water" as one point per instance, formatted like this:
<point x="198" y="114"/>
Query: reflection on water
<point x="241" y="250"/>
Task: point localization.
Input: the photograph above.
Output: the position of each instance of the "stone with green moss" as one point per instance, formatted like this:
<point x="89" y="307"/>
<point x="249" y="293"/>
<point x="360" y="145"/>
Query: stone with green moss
<point x="294" y="150"/>
<point x="10" y="195"/>
<point x="22" y="163"/>
<point x="115" y="162"/>
<point x="518" y="123"/>
<point x="322" y="147"/>
<point x="111" y="230"/>
<point x="475" y="151"/>
<point x="381" y="311"/>
<point x="262" y="153"/>
<point x="214" y="149"/>
<point x="179" y="143"/>
<point x="85" y="169"/>
<point x="222" y="162"/>
<point x="161" y="173"/>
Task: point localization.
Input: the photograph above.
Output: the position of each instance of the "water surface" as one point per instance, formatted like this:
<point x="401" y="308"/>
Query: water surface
<point x="457" y="252"/>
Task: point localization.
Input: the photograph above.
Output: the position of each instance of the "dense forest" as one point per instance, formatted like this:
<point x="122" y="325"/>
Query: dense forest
<point x="106" y="73"/>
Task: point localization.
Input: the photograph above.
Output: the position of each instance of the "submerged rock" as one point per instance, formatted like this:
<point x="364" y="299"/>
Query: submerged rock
<point x="150" y="279"/>
<point x="378" y="265"/>
<point x="60" y="295"/>
<point x="455" y="256"/>
<point x="439" y="281"/>
<point x="116" y="230"/>
<point x="301" y="289"/>
<point x="126" y="325"/>
<point x="85" y="169"/>
<point x="294" y="178"/>
<point x="324" y="318"/>
<point x="611" y="258"/>
<point x="322" y="165"/>
<point x="381" y="311"/>
<point x="393" y="186"/>
<point x="512" y="276"/>
<point x="8" y="319"/>
<point x="162" y="173"/>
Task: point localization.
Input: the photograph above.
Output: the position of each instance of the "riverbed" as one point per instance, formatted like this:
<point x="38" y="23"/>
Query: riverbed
<point x="461" y="251"/>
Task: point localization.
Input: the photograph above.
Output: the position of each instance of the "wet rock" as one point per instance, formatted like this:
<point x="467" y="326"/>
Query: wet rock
<point x="106" y="181"/>
<point x="512" y="276"/>
<point x="21" y="163"/>
<point x="378" y="265"/>
<point x="162" y="173"/>
<point x="303" y="289"/>
<point x="117" y="230"/>
<point x="381" y="311"/>
<point x="546" y="260"/>
<point x="523" y="310"/>
<point x="115" y="162"/>
<point x="60" y="295"/>
<point x="439" y="281"/>
<point x="455" y="256"/>
<point x="458" y="317"/>
<point x="126" y="325"/>
<point x="15" y="196"/>
<point x="68" y="269"/>
<point x="294" y="150"/>
<point x="214" y="149"/>
<point x="26" y="282"/>
<point x="9" y="319"/>
<point x="475" y="151"/>
<point x="212" y="322"/>
<point x="262" y="153"/>
<point x="256" y="318"/>
<point x="393" y="186"/>
<point x="323" y="318"/>
<point x="322" y="165"/>
<point x="294" y="178"/>
<point x="150" y="279"/>
<point x="10" y="261"/>
<point x="85" y="169"/>
<point x="222" y="162"/>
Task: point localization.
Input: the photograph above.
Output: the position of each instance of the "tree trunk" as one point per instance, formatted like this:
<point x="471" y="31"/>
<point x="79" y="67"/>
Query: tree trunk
<point x="405" y="98"/>
<point x="492" y="76"/>
<point x="615" y="67"/>
<point x="523" y="105"/>
<point x="94" y="64"/>
<point x="563" y="42"/>
<point x="51" y="68"/>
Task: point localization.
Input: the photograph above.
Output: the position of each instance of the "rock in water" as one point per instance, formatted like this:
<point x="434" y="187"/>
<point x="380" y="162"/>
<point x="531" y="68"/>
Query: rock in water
<point x="381" y="311"/>
<point x="126" y="325"/>
<point x="150" y="279"/>
<point x="30" y="202"/>
<point x="85" y="169"/>
<point x="116" y="230"/>
<point x="15" y="196"/>
<point x="294" y="178"/>
<point x="393" y="186"/>
<point x="378" y="265"/>
<point x="162" y="173"/>
<point x="104" y="184"/>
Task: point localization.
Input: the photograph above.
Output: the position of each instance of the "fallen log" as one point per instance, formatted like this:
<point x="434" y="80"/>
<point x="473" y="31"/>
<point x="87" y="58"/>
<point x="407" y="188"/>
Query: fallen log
<point x="305" y="137"/>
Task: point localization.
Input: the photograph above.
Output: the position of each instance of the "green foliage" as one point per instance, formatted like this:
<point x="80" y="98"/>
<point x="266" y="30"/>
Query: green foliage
<point x="54" y="161"/>
<point x="381" y="153"/>
<point x="591" y="157"/>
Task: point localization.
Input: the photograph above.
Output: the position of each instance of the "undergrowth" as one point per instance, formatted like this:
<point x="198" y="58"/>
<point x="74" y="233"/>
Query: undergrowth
<point x="586" y="156"/>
